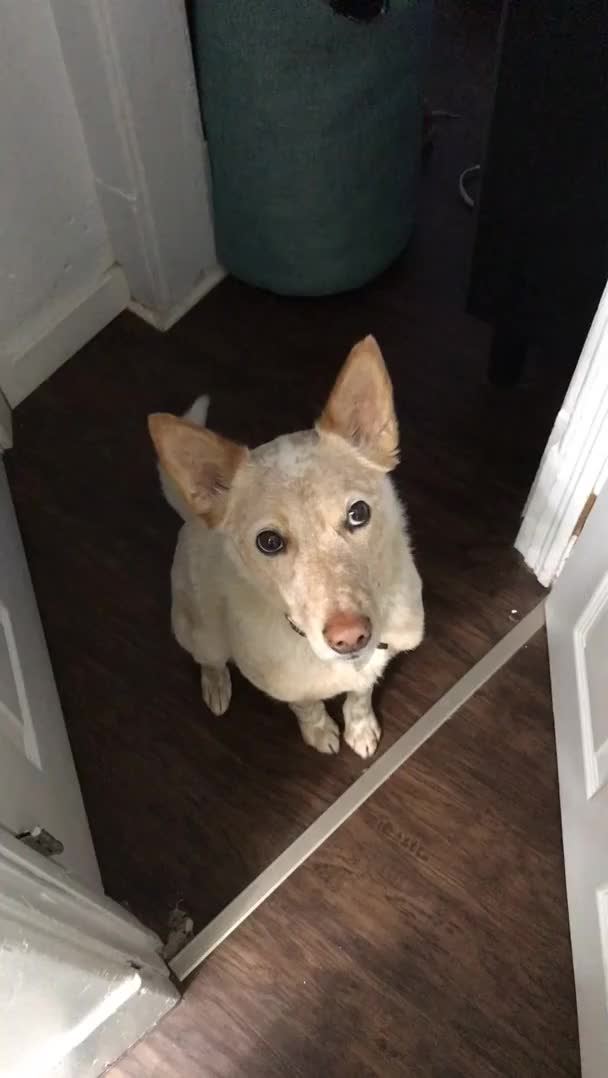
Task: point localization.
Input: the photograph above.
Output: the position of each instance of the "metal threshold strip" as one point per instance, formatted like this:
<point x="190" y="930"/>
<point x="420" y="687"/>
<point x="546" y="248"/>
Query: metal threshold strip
<point x="314" y="836"/>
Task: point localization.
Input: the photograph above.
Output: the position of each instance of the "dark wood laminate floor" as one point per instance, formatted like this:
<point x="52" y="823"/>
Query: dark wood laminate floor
<point x="428" y="938"/>
<point x="183" y="806"/>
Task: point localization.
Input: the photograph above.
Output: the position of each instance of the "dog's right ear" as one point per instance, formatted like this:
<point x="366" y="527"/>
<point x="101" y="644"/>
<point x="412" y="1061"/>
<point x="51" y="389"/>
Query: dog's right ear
<point x="201" y="464"/>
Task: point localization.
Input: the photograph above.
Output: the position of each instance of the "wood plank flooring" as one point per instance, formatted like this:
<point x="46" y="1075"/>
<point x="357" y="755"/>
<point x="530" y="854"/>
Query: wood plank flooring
<point x="427" y="938"/>
<point x="184" y="806"/>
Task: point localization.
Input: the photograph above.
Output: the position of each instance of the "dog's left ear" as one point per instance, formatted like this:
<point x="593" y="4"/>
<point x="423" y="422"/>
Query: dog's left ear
<point x="360" y="408"/>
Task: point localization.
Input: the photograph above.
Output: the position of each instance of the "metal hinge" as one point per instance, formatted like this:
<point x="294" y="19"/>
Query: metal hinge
<point x="582" y="520"/>
<point x="6" y="424"/>
<point x="41" y="841"/>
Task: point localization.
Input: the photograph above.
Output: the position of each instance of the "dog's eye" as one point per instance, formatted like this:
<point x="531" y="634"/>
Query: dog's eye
<point x="270" y="543"/>
<point x="358" y="515"/>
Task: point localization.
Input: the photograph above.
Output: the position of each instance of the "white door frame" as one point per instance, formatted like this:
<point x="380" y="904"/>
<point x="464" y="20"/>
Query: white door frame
<point x="131" y="70"/>
<point x="574" y="466"/>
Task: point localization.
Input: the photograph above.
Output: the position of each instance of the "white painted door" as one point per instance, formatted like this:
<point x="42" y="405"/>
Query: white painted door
<point x="80" y="979"/>
<point x="577" y="626"/>
<point x="38" y="783"/>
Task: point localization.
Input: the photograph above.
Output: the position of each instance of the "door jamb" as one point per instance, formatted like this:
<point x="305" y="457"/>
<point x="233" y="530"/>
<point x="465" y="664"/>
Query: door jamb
<point x="574" y="465"/>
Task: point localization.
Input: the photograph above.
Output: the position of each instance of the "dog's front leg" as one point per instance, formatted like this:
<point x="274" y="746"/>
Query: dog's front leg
<point x="361" y="727"/>
<point x="406" y="627"/>
<point x="216" y="687"/>
<point x="317" y="727"/>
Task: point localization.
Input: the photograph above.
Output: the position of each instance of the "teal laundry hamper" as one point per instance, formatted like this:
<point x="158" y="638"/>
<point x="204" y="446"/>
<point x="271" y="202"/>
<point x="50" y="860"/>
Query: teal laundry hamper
<point x="313" y="112"/>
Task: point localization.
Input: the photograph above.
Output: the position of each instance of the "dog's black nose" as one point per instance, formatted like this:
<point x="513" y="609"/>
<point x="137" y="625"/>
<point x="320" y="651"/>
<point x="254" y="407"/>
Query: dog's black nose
<point x="347" y="633"/>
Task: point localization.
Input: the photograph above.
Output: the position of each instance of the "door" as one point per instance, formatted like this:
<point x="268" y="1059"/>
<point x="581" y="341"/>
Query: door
<point x="80" y="979"/>
<point x="577" y="627"/>
<point x="38" y="783"/>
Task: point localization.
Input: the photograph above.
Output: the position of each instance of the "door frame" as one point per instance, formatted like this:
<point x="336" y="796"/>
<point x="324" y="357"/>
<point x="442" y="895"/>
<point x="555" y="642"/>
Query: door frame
<point x="132" y="75"/>
<point x="574" y="466"/>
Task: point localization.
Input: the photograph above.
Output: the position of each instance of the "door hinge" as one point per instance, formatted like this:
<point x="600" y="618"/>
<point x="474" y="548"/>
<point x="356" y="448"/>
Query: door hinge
<point x="41" y="841"/>
<point x="582" y="520"/>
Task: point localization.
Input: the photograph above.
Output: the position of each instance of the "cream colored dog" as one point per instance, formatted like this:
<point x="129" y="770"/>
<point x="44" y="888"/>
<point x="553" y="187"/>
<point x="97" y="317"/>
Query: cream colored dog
<point x="294" y="560"/>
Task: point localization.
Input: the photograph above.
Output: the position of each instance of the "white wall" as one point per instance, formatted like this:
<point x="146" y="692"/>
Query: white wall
<point x="54" y="248"/>
<point x="130" y="65"/>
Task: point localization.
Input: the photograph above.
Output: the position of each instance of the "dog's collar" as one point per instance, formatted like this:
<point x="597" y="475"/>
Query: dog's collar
<point x="301" y="632"/>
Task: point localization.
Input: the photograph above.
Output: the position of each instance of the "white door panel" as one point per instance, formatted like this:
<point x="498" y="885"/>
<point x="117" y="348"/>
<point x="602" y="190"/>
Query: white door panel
<point x="80" y="979"/>
<point x="38" y="783"/>
<point x="577" y="626"/>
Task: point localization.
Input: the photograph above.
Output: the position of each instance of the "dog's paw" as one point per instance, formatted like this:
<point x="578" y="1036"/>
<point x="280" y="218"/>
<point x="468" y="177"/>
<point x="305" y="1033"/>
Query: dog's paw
<point x="323" y="736"/>
<point x="217" y="688"/>
<point x="363" y="735"/>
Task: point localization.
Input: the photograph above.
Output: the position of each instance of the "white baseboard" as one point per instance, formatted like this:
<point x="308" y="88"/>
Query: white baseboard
<point x="163" y="320"/>
<point x="59" y="334"/>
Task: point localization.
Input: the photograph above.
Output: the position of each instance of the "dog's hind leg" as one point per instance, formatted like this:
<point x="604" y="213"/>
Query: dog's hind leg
<point x="317" y="727"/>
<point x="361" y="727"/>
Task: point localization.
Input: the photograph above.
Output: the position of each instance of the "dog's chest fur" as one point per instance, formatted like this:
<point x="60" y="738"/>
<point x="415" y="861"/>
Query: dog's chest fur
<point x="285" y="667"/>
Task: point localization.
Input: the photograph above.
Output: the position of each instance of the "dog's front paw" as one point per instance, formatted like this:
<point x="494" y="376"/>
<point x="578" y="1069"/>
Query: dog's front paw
<point x="362" y="735"/>
<point x="318" y="728"/>
<point x="324" y="737"/>
<point x="217" y="688"/>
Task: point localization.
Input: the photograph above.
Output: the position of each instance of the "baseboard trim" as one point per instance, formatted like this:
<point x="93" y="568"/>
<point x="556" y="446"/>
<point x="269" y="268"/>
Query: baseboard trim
<point x="62" y="334"/>
<point x="164" y="320"/>
<point x="299" y="851"/>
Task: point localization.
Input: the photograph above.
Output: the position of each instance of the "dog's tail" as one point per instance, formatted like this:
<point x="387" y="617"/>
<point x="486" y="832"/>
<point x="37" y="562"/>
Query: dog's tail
<point x="197" y="414"/>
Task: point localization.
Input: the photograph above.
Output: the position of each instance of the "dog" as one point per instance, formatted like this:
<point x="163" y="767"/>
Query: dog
<point x="294" y="561"/>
